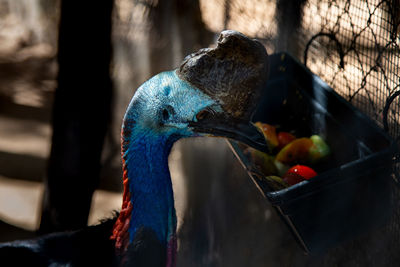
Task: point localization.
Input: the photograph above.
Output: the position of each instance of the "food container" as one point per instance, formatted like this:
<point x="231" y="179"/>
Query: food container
<point x="352" y="193"/>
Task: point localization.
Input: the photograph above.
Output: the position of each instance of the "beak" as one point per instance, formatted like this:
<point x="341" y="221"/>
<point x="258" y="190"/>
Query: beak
<point x="223" y="126"/>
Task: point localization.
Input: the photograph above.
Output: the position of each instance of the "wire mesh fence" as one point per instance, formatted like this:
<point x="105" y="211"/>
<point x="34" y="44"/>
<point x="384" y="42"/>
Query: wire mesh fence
<point x="354" y="47"/>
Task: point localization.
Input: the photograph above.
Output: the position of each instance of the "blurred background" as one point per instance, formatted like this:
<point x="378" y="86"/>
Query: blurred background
<point x="68" y="70"/>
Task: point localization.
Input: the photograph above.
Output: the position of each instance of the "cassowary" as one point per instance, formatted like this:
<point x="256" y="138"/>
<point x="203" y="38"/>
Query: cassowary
<point x="212" y="93"/>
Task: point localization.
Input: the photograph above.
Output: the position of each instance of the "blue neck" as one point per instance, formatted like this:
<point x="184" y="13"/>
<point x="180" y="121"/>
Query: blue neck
<point x="146" y="160"/>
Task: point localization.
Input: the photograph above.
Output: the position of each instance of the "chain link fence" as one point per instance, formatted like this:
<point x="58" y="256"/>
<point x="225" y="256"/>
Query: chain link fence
<point x="354" y="47"/>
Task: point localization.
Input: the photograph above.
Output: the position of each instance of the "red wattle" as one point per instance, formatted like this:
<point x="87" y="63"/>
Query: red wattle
<point x="120" y="232"/>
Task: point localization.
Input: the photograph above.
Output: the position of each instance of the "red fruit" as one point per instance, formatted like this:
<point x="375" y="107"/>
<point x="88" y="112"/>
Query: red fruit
<point x="298" y="173"/>
<point x="284" y="138"/>
<point x="292" y="178"/>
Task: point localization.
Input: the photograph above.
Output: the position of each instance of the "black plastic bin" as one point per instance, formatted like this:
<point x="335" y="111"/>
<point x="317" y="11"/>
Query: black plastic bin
<point x="352" y="192"/>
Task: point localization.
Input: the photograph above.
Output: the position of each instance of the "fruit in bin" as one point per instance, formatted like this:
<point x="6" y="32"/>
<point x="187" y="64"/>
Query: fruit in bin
<point x="319" y="150"/>
<point x="298" y="173"/>
<point x="263" y="161"/>
<point x="281" y="168"/>
<point x="284" y="138"/>
<point x="293" y="179"/>
<point x="269" y="133"/>
<point x="295" y="151"/>
<point x="291" y="151"/>
<point x="275" y="182"/>
<point x="304" y="150"/>
<point x="302" y="170"/>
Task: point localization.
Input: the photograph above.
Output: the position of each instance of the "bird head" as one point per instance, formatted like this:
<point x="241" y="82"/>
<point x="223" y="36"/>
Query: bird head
<point x="214" y="92"/>
<point x="165" y="106"/>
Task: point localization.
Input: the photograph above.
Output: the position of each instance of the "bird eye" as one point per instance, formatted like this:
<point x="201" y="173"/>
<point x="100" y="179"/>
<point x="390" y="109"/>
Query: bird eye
<point x="167" y="112"/>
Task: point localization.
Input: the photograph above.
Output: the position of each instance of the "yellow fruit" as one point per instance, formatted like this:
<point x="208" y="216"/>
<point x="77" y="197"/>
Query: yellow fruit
<point x="295" y="151"/>
<point x="276" y="183"/>
<point x="263" y="162"/>
<point x="269" y="133"/>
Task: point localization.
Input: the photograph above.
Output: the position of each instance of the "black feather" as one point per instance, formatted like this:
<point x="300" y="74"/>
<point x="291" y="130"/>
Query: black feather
<point x="90" y="246"/>
<point x="145" y="250"/>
